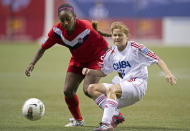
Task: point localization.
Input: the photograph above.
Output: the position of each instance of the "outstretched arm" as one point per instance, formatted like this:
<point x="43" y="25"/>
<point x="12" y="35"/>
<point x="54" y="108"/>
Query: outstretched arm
<point x="168" y="75"/>
<point x="97" y="73"/>
<point x="37" y="56"/>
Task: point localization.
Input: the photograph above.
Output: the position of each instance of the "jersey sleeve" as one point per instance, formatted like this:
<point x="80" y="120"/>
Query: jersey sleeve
<point x="148" y="57"/>
<point x="50" y="40"/>
<point x="107" y="62"/>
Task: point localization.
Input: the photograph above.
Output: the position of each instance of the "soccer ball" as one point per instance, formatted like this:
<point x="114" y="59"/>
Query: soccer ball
<point x="33" y="109"/>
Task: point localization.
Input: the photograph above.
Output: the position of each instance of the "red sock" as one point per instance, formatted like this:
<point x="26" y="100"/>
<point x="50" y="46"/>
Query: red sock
<point x="73" y="105"/>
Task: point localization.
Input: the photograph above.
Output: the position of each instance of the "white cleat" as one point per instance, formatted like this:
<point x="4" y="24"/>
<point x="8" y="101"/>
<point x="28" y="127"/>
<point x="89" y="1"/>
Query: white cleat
<point x="73" y="123"/>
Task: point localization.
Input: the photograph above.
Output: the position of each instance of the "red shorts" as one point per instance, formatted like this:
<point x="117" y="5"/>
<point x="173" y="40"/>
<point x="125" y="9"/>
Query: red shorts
<point x="76" y="66"/>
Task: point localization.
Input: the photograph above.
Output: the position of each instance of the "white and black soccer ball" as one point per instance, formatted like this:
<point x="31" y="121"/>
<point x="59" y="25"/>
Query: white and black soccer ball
<point x="33" y="109"/>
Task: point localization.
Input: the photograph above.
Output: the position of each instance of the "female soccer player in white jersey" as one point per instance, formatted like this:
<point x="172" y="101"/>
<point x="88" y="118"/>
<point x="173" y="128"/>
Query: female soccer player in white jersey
<point x="130" y="60"/>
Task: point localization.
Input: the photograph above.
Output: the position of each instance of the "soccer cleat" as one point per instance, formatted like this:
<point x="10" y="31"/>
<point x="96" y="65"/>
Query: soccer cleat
<point x="73" y="123"/>
<point x="104" y="127"/>
<point x="116" y="120"/>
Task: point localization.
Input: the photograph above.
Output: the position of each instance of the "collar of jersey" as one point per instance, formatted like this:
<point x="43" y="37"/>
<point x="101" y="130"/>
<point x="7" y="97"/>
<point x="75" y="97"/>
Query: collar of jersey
<point x="75" y="40"/>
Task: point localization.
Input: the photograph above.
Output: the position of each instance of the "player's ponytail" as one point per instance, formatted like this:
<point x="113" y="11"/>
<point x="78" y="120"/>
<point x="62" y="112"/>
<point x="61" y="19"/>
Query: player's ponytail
<point x="95" y="26"/>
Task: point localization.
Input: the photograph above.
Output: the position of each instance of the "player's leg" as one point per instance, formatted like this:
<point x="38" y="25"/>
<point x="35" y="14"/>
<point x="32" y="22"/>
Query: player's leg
<point x="90" y="86"/>
<point x="87" y="81"/>
<point x="112" y="113"/>
<point x="72" y="82"/>
<point x="94" y="90"/>
<point x="92" y="79"/>
<point x="110" y="107"/>
<point x="113" y="93"/>
<point x="132" y="91"/>
<point x="98" y="94"/>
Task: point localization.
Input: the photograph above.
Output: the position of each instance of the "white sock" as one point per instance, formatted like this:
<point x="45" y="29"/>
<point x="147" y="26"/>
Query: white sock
<point x="109" y="110"/>
<point x="101" y="101"/>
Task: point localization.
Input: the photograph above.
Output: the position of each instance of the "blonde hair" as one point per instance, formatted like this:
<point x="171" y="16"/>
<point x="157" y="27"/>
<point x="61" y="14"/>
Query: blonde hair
<point x="121" y="26"/>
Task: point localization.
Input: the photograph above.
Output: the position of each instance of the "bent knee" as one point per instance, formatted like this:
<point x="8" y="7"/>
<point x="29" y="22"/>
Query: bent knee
<point x="114" y="90"/>
<point x="91" y="89"/>
<point x="86" y="90"/>
<point x="68" y="93"/>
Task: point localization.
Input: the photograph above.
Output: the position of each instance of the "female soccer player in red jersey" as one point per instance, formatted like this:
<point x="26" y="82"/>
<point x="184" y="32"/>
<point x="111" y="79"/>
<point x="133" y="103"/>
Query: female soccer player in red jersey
<point x="86" y="46"/>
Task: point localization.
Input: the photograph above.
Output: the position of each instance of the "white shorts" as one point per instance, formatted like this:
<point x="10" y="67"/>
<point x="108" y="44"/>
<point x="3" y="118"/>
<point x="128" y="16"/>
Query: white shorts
<point x="132" y="91"/>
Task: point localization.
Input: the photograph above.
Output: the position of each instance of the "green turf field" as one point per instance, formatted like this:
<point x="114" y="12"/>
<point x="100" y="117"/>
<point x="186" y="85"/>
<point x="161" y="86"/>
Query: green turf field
<point x="163" y="108"/>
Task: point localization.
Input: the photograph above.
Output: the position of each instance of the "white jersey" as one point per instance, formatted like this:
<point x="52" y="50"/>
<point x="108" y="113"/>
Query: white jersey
<point x="131" y="62"/>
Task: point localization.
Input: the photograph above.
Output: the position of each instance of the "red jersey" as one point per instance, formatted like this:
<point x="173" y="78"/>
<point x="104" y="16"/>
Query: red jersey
<point x="85" y="43"/>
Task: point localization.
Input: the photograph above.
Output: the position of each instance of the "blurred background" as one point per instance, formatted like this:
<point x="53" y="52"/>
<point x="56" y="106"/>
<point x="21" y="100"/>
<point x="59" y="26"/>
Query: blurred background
<point x="163" y="22"/>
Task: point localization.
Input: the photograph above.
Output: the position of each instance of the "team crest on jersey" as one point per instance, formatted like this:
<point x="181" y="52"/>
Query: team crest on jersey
<point x="144" y="49"/>
<point x="80" y="40"/>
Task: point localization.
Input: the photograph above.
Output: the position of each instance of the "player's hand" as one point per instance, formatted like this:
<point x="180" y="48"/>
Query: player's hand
<point x="171" y="79"/>
<point x="85" y="71"/>
<point x="29" y="69"/>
